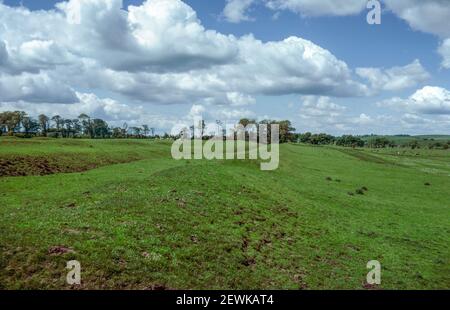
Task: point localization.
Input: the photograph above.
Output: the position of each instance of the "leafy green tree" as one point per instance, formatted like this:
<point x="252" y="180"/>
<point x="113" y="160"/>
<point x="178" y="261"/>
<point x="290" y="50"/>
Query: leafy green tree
<point x="306" y="137"/>
<point x="58" y="120"/>
<point x="145" y="130"/>
<point x="286" y="131"/>
<point x="44" y="123"/>
<point x="77" y="127"/>
<point x="414" y="144"/>
<point x="350" y="141"/>
<point x="87" y="124"/>
<point x="100" y="128"/>
<point x="30" y="125"/>
<point x="13" y="120"/>
<point x="380" y="142"/>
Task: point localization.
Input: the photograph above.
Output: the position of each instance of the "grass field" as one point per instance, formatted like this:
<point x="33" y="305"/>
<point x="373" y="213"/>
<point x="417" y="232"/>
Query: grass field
<point x="423" y="141"/>
<point x="136" y="219"/>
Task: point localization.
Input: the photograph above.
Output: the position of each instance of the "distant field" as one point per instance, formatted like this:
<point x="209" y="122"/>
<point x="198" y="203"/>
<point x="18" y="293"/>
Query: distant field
<point x="136" y="219"/>
<point x="423" y="140"/>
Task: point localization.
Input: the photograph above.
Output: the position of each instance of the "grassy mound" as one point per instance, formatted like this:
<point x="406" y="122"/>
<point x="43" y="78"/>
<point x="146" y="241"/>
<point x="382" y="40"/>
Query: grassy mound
<point x="160" y="223"/>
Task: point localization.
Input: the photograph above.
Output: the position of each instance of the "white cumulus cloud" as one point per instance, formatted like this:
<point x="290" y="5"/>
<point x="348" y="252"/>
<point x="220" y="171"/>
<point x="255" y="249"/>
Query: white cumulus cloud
<point x="235" y="11"/>
<point x="396" y="78"/>
<point x="318" y="8"/>
<point x="160" y="53"/>
<point x="428" y="100"/>
<point x="444" y="50"/>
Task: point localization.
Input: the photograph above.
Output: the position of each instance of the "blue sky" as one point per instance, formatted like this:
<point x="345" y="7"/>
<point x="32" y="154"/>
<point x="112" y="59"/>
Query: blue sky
<point x="418" y="104"/>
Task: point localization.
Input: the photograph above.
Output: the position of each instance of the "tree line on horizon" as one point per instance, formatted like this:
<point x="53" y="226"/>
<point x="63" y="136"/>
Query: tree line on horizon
<point x="373" y="141"/>
<point x="20" y="124"/>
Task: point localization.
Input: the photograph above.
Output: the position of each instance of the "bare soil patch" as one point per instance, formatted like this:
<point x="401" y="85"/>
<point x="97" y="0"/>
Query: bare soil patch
<point x="14" y="166"/>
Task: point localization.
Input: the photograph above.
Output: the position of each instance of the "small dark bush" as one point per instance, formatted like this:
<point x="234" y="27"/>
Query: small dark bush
<point x="364" y="188"/>
<point x="427" y="184"/>
<point x="351" y="194"/>
<point x="23" y="136"/>
<point x="360" y="191"/>
<point x="329" y="179"/>
<point x="338" y="180"/>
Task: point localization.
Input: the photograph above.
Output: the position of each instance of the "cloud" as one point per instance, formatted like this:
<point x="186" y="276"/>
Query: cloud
<point x="429" y="16"/>
<point x="321" y="114"/>
<point x="396" y="78"/>
<point x="235" y="10"/>
<point x="3" y="54"/>
<point x="291" y="66"/>
<point x="318" y="106"/>
<point x="238" y="99"/>
<point x="213" y="112"/>
<point x="35" y="89"/>
<point x="428" y="100"/>
<point x="157" y="35"/>
<point x="160" y="53"/>
<point x="363" y="119"/>
<point x="444" y="50"/>
<point x="110" y="110"/>
<point x="431" y="124"/>
<point x="319" y="8"/>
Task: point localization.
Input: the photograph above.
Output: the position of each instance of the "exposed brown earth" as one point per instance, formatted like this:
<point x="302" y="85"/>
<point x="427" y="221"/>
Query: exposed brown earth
<point x="14" y="166"/>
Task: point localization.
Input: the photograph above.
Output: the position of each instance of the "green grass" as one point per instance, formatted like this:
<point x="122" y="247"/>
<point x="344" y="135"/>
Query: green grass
<point x="423" y="141"/>
<point x="152" y="221"/>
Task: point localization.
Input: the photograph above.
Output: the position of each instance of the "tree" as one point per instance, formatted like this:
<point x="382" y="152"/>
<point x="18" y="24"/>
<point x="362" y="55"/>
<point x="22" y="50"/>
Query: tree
<point x="245" y="122"/>
<point x="125" y="130"/>
<point x="68" y="128"/>
<point x="100" y="128"/>
<point x="29" y="125"/>
<point x="44" y="123"/>
<point x="117" y="132"/>
<point x="146" y="130"/>
<point x="136" y="131"/>
<point x="87" y="125"/>
<point x="414" y="145"/>
<point x="350" y="141"/>
<point x="12" y="121"/>
<point x="321" y="139"/>
<point x="380" y="142"/>
<point x="76" y="126"/>
<point x="306" y="137"/>
<point x="58" y="122"/>
<point x="286" y="131"/>
<point x="2" y="124"/>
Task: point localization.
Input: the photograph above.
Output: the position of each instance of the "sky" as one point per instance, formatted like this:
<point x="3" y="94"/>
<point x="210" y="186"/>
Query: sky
<point x="317" y="63"/>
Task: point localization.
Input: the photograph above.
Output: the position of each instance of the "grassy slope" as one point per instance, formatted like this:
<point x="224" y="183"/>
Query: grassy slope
<point x="226" y="224"/>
